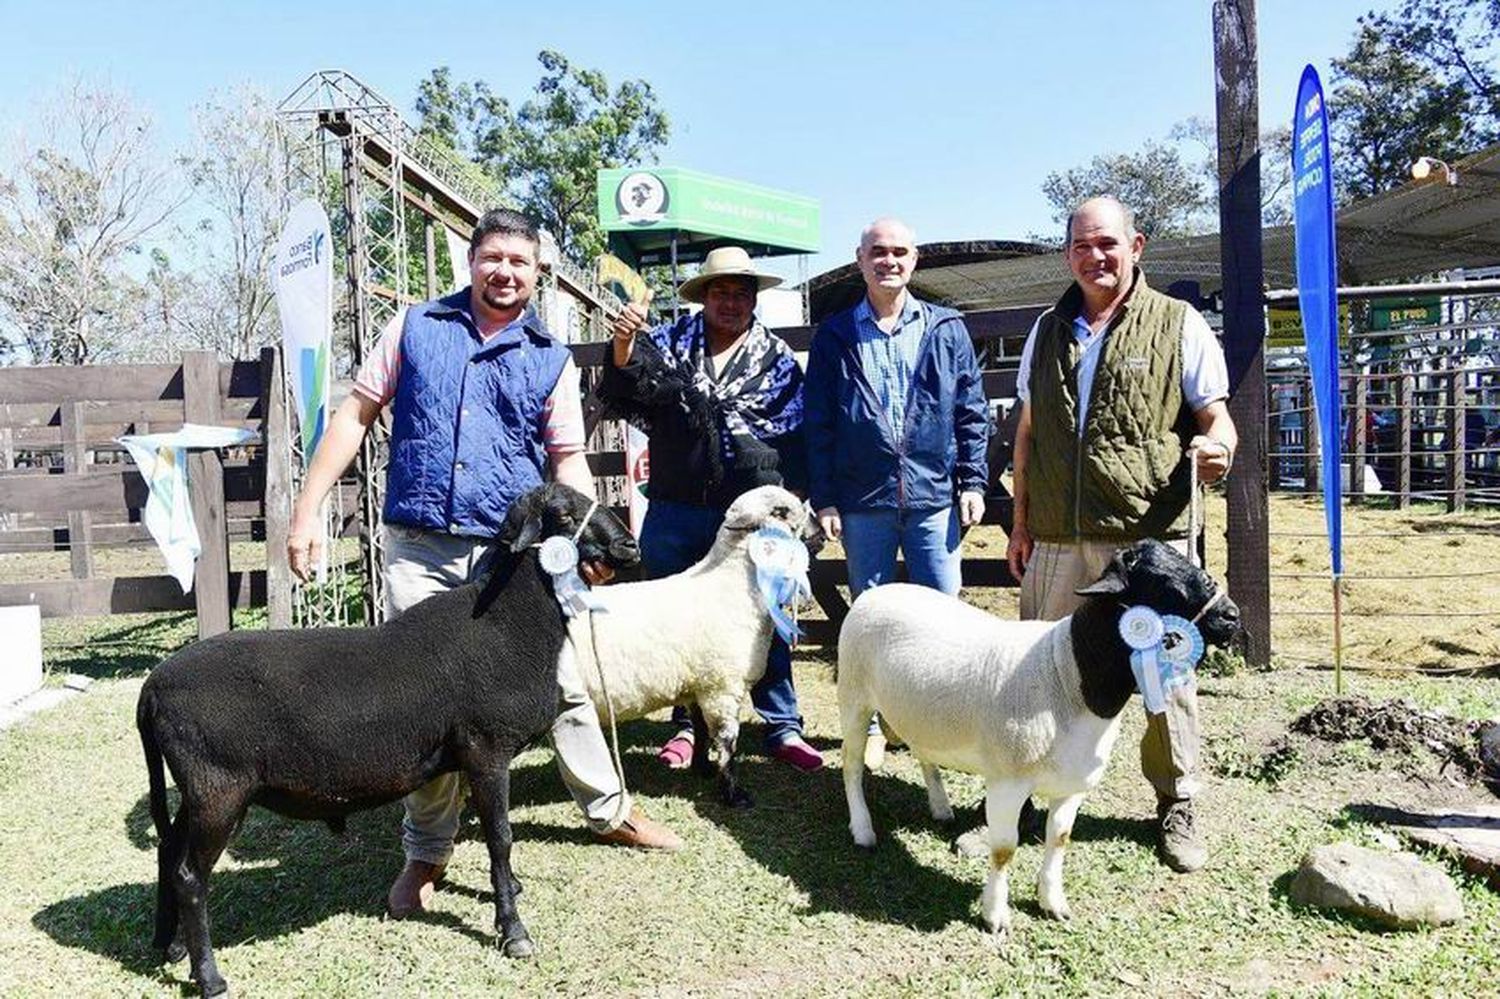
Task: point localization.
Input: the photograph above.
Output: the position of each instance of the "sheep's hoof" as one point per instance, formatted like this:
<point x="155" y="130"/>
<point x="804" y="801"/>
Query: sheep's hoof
<point x="1061" y="913"/>
<point x="518" y="947"/>
<point x="1000" y="936"/>
<point x="738" y="798"/>
<point x="176" y="951"/>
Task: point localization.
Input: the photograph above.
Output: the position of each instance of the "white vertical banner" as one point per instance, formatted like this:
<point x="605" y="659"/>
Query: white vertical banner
<point x="637" y="477"/>
<point x="303" y="278"/>
<point x="458" y="256"/>
<point x="304" y="295"/>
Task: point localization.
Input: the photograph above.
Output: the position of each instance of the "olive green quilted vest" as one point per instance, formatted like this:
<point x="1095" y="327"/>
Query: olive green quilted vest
<point x="1125" y="478"/>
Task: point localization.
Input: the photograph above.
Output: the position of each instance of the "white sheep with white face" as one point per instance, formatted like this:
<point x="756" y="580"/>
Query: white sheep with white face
<point x="1032" y="706"/>
<point x="698" y="638"/>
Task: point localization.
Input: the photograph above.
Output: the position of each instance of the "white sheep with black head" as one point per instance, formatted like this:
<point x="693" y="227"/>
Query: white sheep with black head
<point x="1031" y="706"/>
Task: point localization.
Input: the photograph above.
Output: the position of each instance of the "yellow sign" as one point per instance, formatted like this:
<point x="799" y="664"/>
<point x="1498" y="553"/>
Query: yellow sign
<point x="1284" y="326"/>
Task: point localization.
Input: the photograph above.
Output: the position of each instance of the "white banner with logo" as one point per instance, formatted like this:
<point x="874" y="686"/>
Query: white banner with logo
<point x="303" y="277"/>
<point x="458" y="256"/>
<point x="304" y="294"/>
<point x="637" y="477"/>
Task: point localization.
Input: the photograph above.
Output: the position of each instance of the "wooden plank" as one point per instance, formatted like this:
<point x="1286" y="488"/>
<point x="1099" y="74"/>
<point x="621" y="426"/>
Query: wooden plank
<point x="276" y="432"/>
<point x="53" y="383"/>
<point x="1405" y="386"/>
<point x="1455" y="477"/>
<point x="201" y="388"/>
<point x="75" y="463"/>
<point x="1361" y="439"/>
<point x="113" y="490"/>
<point x="1312" y="449"/>
<point x="1237" y="112"/>
<point x="124" y="595"/>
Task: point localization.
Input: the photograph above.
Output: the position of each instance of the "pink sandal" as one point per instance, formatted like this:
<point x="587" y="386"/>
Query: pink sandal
<point x="678" y="752"/>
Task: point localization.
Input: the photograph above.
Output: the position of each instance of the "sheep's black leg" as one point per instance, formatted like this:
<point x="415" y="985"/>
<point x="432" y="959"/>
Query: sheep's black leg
<point x="489" y="787"/>
<point x="729" y="786"/>
<point x="703" y="765"/>
<point x="169" y="853"/>
<point x="209" y="825"/>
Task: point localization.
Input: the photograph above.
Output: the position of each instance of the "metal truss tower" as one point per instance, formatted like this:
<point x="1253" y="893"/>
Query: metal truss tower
<point x="380" y="180"/>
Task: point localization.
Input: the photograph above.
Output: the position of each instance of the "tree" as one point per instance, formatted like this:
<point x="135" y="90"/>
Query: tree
<point x="236" y="179"/>
<point x="1458" y="41"/>
<point x="1168" y="198"/>
<point x="1385" y="110"/>
<point x="547" y="153"/>
<point x="1275" y="165"/>
<point x="71" y="213"/>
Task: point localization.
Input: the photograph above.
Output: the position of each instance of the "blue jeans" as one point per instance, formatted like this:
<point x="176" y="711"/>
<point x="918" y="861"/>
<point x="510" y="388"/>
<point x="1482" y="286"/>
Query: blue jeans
<point x="674" y="537"/>
<point x="928" y="539"/>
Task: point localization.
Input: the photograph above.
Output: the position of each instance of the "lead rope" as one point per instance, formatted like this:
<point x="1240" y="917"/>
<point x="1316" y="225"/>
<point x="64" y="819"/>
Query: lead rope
<point x="609" y="703"/>
<point x="1195" y="507"/>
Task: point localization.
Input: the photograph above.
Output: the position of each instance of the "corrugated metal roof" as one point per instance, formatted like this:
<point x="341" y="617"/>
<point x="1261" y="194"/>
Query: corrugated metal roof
<point x="1422" y="228"/>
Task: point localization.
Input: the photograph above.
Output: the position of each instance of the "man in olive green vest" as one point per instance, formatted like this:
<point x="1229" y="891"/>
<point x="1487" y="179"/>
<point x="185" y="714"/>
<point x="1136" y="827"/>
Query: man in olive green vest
<point x="1118" y="384"/>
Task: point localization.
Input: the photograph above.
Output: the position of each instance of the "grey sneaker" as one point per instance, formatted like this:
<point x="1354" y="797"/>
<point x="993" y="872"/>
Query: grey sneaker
<point x="1179" y="843"/>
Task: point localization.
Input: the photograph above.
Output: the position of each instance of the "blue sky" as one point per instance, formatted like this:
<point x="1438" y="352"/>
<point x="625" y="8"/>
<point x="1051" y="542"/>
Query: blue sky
<point x="948" y="114"/>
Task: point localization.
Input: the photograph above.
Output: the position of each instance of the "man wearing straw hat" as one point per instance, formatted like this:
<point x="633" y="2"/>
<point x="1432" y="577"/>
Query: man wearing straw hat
<point x="1121" y="388"/>
<point x="721" y="400"/>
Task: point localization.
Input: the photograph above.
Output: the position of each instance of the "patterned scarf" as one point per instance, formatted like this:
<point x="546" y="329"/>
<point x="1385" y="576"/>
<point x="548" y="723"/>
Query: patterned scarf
<point x="758" y="396"/>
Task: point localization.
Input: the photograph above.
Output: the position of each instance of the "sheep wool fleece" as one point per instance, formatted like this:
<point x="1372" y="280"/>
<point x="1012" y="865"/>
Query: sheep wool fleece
<point x="1169" y="748"/>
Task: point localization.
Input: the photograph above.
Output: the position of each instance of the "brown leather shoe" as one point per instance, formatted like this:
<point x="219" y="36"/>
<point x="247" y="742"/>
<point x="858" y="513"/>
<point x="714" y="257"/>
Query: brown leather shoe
<point x="643" y="834"/>
<point x="413" y="889"/>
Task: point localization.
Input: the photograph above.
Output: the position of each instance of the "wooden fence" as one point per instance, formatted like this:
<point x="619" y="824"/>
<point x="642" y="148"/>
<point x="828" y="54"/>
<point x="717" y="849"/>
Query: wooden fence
<point x="65" y="484"/>
<point x="1427" y="435"/>
<point x="65" y="487"/>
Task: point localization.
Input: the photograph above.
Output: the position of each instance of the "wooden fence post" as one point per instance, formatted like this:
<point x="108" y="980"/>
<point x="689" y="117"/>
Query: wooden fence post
<point x="1361" y="441"/>
<point x="1457" y="443"/>
<point x="275" y="433"/>
<point x="75" y="462"/>
<point x="1405" y="386"/>
<point x="1312" y="452"/>
<point x="200" y="404"/>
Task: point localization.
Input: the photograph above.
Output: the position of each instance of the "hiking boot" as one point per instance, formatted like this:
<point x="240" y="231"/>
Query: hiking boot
<point x="641" y="833"/>
<point x="1179" y="843"/>
<point x="799" y="754"/>
<point x="413" y="888"/>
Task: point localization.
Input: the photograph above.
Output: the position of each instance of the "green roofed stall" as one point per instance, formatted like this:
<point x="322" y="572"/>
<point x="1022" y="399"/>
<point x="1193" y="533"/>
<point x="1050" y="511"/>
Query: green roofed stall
<point x="667" y="215"/>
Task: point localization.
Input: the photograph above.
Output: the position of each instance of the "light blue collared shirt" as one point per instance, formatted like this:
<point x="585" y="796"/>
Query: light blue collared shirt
<point x="890" y="358"/>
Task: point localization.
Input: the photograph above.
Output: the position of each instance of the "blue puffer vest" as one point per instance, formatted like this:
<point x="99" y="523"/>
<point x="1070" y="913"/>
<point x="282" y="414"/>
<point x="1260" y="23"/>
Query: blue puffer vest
<point x="466" y="422"/>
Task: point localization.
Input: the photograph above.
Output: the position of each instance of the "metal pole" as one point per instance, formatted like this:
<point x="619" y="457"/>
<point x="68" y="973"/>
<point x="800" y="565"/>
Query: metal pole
<point x="1288" y="296"/>
<point x="1338" y="637"/>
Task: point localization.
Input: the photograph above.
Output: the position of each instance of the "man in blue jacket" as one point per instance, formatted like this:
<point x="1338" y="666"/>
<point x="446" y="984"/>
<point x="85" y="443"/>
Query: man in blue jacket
<point x="897" y="425"/>
<point x="485" y="404"/>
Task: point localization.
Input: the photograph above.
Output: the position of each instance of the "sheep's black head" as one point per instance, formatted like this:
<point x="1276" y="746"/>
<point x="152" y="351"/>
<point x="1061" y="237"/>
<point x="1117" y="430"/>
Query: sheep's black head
<point x="554" y="509"/>
<point x="765" y="505"/>
<point x="1160" y="577"/>
<point x="1489" y="756"/>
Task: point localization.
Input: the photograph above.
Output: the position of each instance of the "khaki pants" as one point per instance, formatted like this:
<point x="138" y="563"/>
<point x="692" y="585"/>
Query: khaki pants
<point x="419" y="564"/>
<point x="1169" y="749"/>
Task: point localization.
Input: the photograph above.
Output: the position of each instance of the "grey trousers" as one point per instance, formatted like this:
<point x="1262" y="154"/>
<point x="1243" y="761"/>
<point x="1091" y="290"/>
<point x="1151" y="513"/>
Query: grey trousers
<point x="421" y="563"/>
<point x="1169" y="749"/>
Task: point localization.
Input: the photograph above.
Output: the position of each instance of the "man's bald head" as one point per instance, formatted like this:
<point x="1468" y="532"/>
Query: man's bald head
<point x="884" y="227"/>
<point x="887" y="254"/>
<point x="1107" y="209"/>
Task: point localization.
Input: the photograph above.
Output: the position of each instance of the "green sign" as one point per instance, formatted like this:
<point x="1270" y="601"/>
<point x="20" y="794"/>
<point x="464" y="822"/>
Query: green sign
<point x="643" y="209"/>
<point x="1405" y="313"/>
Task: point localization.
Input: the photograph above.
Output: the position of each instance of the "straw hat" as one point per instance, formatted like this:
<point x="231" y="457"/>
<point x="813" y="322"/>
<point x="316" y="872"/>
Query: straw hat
<point x="726" y="261"/>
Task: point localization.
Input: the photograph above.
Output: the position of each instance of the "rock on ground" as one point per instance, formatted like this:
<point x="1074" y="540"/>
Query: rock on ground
<point x="1394" y="889"/>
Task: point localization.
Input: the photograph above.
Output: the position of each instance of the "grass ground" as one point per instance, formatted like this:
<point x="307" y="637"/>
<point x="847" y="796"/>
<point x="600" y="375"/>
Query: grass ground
<point x="770" y="901"/>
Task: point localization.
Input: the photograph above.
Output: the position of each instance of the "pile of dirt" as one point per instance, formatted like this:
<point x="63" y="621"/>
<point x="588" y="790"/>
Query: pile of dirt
<point x="1397" y="725"/>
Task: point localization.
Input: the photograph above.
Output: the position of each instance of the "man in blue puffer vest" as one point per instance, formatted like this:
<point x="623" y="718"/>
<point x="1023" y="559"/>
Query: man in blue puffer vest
<point x="484" y="404"/>
<point x="897" y="426"/>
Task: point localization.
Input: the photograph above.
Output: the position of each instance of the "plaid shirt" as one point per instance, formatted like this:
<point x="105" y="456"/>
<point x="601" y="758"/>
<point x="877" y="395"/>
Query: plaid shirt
<point x="888" y="359"/>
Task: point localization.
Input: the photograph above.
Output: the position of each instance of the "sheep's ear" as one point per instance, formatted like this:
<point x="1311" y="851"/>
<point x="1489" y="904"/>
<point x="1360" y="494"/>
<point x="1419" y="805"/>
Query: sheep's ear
<point x="1112" y="583"/>
<point x="530" y="533"/>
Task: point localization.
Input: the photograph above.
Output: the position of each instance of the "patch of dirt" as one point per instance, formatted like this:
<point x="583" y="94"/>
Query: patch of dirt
<point x="1399" y="726"/>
